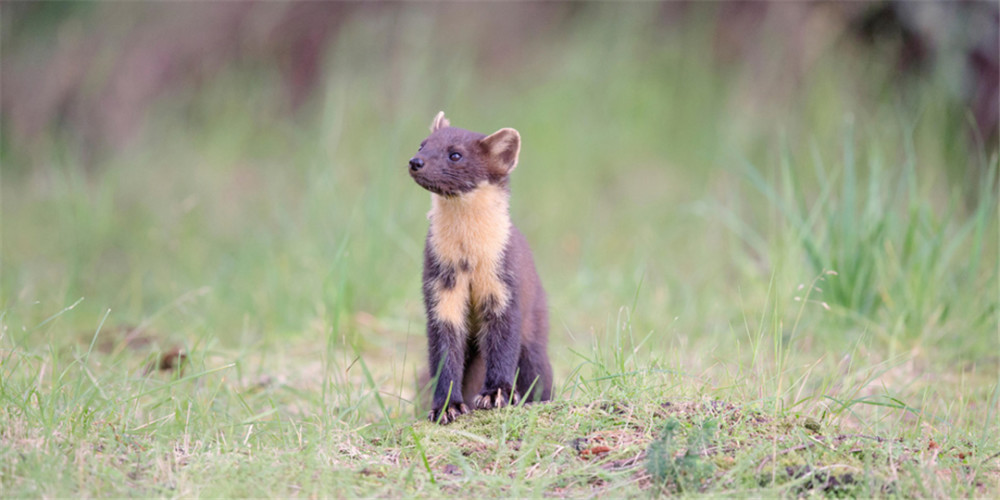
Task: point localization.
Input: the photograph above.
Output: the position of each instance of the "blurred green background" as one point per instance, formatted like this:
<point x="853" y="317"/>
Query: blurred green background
<point x="232" y="176"/>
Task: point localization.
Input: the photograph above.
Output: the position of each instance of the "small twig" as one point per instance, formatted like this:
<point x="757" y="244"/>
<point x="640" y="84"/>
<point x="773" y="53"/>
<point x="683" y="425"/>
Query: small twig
<point x="991" y="457"/>
<point x="628" y="463"/>
<point x="865" y="436"/>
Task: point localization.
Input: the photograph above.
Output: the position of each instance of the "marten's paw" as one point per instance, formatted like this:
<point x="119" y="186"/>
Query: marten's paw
<point x="448" y="414"/>
<point x="496" y="398"/>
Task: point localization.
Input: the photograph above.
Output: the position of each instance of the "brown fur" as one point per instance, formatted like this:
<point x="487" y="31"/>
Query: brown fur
<point x="487" y="316"/>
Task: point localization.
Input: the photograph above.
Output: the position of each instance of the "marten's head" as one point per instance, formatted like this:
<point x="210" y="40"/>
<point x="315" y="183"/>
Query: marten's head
<point x="452" y="161"/>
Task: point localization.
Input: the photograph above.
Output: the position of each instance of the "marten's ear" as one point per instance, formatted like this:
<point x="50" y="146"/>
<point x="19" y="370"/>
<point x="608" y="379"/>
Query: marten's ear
<point x="439" y="122"/>
<point x="503" y="146"/>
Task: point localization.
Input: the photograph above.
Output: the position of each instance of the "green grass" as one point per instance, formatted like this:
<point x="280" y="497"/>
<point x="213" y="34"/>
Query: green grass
<point x="700" y="341"/>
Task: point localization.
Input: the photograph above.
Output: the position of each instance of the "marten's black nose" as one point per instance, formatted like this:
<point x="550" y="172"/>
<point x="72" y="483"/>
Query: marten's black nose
<point x="416" y="164"/>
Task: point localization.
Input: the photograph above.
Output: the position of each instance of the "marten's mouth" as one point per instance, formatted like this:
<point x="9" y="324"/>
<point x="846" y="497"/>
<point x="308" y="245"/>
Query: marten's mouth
<point x="424" y="183"/>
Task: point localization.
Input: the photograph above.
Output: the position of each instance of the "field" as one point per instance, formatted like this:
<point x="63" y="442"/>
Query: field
<point x="759" y="284"/>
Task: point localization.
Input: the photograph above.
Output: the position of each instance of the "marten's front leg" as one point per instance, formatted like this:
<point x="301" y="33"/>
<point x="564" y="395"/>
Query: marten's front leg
<point x="446" y="297"/>
<point x="447" y="358"/>
<point x="500" y="342"/>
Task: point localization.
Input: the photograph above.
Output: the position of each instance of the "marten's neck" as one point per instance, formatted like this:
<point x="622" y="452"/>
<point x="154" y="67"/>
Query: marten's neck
<point x="471" y="229"/>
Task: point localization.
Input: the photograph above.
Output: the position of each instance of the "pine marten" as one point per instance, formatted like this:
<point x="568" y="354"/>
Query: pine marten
<point x="487" y="319"/>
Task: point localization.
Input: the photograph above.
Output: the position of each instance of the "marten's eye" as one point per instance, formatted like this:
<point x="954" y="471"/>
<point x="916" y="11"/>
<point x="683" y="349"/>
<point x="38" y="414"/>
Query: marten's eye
<point x="455" y="156"/>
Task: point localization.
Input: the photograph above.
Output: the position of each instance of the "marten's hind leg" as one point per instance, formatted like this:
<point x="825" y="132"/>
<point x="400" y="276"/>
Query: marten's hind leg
<point x="534" y="370"/>
<point x="534" y="373"/>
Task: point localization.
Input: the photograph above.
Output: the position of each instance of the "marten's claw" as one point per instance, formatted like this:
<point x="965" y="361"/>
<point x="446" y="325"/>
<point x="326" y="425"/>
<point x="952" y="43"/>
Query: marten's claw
<point x="496" y="398"/>
<point x="447" y="415"/>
